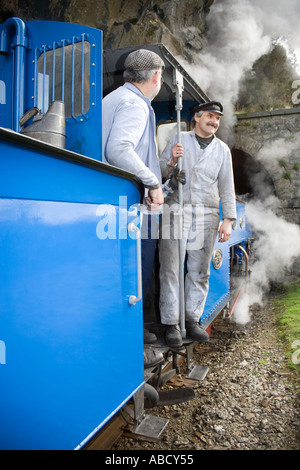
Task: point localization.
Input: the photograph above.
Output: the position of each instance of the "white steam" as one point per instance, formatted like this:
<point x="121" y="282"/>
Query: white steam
<point x="277" y="242"/>
<point x="277" y="245"/>
<point x="239" y="33"/>
<point x="273" y="153"/>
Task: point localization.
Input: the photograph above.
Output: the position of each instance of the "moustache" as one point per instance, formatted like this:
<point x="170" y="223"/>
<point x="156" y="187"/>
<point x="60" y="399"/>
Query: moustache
<point x="215" y="126"/>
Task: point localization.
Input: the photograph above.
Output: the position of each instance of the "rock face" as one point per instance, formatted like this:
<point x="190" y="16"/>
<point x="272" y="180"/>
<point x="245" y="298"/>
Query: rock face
<point x="180" y="26"/>
<point x="273" y="138"/>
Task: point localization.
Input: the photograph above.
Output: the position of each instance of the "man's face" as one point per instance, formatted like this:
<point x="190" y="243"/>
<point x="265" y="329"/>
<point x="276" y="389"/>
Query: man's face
<point x="207" y="124"/>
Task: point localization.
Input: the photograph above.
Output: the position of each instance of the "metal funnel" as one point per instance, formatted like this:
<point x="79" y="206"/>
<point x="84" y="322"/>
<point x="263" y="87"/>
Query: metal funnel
<point x="50" y="127"/>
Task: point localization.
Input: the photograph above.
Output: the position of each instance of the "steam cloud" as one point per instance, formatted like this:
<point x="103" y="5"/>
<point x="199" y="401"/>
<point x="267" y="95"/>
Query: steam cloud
<point x="277" y="245"/>
<point x="238" y="34"/>
<point x="277" y="242"/>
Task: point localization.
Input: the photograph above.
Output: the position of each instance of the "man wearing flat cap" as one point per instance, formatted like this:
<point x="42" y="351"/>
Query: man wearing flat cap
<point x="129" y="121"/>
<point x="129" y="129"/>
<point x="209" y="180"/>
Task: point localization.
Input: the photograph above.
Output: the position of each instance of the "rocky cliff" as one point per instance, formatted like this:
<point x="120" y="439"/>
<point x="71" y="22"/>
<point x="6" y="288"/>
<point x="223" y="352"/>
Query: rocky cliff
<point x="179" y="25"/>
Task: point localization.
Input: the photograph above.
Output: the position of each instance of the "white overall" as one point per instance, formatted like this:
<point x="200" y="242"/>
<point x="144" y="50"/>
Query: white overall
<point x="209" y="180"/>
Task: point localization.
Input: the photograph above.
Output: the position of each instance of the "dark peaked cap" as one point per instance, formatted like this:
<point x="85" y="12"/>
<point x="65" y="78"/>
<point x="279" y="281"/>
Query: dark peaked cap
<point x="142" y="59"/>
<point x="214" y="106"/>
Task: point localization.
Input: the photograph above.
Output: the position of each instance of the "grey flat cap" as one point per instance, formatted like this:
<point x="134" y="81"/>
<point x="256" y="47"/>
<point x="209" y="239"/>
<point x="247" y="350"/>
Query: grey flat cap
<point x="142" y="59"/>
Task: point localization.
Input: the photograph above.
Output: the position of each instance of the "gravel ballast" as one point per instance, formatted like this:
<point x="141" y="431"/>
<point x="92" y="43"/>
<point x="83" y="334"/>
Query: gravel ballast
<point x="249" y="399"/>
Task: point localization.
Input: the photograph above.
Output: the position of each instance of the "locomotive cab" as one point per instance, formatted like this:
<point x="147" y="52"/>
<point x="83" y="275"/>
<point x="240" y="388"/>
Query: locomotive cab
<point x="173" y="108"/>
<point x="69" y="258"/>
<point x="70" y="246"/>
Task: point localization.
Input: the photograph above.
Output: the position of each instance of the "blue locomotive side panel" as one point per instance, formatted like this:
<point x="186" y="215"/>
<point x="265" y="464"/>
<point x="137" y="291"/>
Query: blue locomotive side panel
<point x="220" y="269"/>
<point x="71" y="313"/>
<point x="66" y="273"/>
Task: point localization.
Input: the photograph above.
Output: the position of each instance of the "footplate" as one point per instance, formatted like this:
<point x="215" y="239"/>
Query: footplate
<point x="194" y="372"/>
<point x="150" y="427"/>
<point x="173" y="397"/>
<point x="197" y="372"/>
<point x="145" y="426"/>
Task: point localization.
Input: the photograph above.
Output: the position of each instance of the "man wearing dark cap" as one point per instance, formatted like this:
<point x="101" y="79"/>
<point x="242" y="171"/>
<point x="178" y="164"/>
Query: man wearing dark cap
<point x="129" y="129"/>
<point x="209" y="180"/>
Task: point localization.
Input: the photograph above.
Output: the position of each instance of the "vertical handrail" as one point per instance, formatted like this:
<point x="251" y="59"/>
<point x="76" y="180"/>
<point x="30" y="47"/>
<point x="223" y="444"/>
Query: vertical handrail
<point x="63" y="72"/>
<point x="133" y="299"/>
<point x="44" y="76"/>
<point x="178" y="83"/>
<point x="53" y="72"/>
<point x="72" y="77"/>
<point x="19" y="44"/>
<point x="82" y="73"/>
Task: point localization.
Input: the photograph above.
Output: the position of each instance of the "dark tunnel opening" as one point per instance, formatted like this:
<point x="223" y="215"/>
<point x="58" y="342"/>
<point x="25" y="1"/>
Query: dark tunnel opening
<point x="250" y="177"/>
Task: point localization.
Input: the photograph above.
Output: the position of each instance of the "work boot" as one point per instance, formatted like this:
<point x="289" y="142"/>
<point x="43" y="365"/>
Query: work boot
<point x="173" y="336"/>
<point x="152" y="358"/>
<point x="149" y="337"/>
<point x="195" y="332"/>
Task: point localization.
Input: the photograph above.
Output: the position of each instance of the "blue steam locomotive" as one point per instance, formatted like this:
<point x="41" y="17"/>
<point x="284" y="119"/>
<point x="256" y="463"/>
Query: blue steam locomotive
<point x="69" y="240"/>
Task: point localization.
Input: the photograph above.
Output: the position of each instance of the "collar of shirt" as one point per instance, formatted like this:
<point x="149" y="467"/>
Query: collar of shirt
<point x="202" y="140"/>
<point x="138" y="92"/>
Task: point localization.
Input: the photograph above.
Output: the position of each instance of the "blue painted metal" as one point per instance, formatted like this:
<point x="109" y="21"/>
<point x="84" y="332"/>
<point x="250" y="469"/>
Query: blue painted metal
<point x="13" y="43"/>
<point x="83" y="130"/>
<point x="74" y="347"/>
<point x="71" y="346"/>
<point x="22" y="44"/>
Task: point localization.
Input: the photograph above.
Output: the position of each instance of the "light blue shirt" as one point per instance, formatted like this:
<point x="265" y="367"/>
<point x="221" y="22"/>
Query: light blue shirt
<point x="129" y="134"/>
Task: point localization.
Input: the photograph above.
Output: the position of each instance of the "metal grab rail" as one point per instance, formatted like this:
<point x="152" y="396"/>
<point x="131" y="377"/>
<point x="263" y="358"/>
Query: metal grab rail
<point x="19" y="43"/>
<point x="132" y="298"/>
<point x="179" y="87"/>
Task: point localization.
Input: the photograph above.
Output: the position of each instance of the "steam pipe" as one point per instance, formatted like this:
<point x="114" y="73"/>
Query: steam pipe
<point x="18" y="44"/>
<point x="235" y="302"/>
<point x="247" y="259"/>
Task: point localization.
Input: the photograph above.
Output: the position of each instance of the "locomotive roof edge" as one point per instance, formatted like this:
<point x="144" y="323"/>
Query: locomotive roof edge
<point x="113" y="67"/>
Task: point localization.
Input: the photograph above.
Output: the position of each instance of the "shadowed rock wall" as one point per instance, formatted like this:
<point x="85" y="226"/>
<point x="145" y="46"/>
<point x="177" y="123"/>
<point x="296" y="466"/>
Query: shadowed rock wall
<point x="179" y="25"/>
<point x="272" y="138"/>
